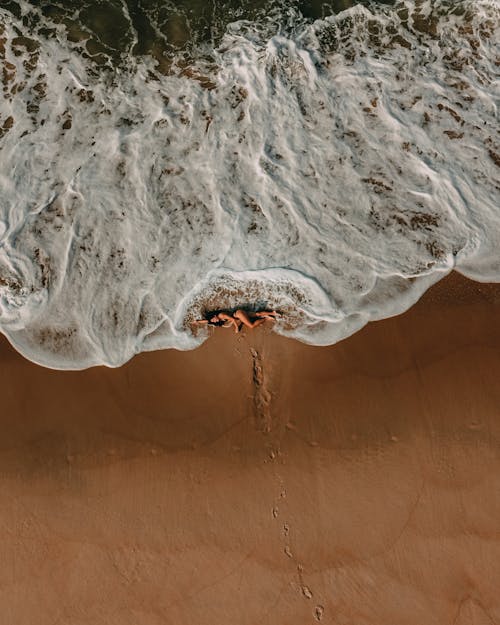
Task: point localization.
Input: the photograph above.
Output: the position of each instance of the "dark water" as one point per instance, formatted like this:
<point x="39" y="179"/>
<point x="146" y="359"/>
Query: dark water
<point x="107" y="29"/>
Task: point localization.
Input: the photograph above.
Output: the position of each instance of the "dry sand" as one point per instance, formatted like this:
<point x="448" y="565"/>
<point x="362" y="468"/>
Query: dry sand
<point x="351" y="485"/>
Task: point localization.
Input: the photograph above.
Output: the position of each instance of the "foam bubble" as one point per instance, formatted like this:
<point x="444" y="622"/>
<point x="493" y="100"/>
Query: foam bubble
<point x="335" y="172"/>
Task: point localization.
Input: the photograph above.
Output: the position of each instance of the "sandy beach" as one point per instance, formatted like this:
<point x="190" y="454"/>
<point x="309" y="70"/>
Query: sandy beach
<point x="258" y="480"/>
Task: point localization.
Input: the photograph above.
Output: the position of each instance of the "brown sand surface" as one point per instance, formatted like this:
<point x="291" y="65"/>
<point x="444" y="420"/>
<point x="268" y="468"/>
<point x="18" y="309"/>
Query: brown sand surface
<point x="352" y="485"/>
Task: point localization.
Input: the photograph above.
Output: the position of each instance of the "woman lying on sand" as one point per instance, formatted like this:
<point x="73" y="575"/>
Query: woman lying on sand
<point x="238" y="319"/>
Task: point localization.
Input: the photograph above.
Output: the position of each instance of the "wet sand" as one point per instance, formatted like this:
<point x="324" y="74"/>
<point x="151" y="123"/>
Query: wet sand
<point x="258" y="480"/>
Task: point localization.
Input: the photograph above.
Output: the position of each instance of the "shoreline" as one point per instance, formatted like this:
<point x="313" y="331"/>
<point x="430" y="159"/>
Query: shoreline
<point x="454" y="287"/>
<point x="257" y="479"/>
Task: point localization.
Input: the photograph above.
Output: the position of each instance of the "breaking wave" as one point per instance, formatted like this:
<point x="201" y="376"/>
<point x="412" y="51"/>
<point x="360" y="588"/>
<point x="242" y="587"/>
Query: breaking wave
<point x="330" y="168"/>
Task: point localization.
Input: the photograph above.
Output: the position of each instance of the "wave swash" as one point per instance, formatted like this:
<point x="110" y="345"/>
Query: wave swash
<point x="332" y="169"/>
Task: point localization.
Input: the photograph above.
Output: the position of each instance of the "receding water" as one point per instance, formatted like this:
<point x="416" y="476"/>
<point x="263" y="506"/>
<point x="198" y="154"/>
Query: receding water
<point x="161" y="159"/>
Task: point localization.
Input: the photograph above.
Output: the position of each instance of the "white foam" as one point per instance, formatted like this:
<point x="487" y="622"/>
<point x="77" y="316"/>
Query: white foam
<point x="335" y="174"/>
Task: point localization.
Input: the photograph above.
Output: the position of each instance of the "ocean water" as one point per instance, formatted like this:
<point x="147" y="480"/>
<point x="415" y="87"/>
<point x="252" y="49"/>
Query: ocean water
<point x="162" y="159"/>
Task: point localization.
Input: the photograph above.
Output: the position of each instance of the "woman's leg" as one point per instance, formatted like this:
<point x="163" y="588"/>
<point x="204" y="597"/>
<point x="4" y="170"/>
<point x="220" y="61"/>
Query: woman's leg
<point x="245" y="319"/>
<point x="267" y="314"/>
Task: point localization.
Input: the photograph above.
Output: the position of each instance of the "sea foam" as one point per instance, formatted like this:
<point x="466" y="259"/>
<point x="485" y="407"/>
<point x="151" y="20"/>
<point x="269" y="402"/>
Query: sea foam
<point x="333" y="172"/>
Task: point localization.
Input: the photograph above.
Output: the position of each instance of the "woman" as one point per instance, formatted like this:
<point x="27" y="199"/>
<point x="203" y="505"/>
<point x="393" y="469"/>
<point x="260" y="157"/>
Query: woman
<point x="238" y="318"/>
